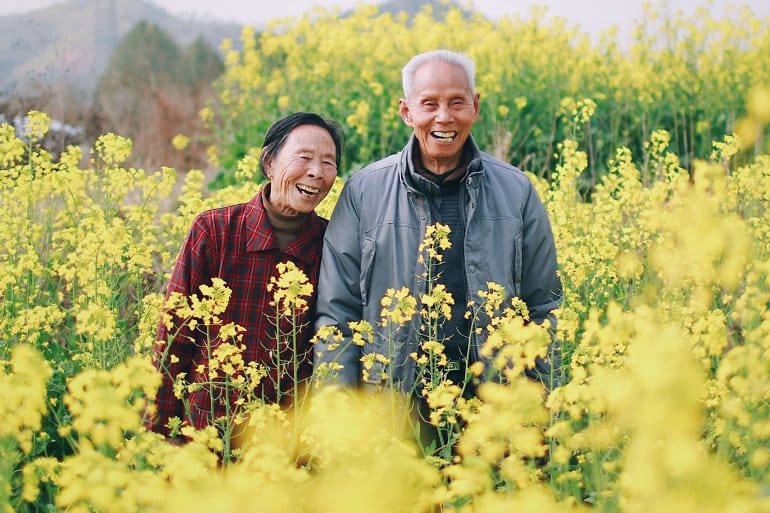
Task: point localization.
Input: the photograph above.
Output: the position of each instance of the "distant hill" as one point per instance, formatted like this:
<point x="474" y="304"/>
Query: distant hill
<point x="72" y="41"/>
<point x="412" y="7"/>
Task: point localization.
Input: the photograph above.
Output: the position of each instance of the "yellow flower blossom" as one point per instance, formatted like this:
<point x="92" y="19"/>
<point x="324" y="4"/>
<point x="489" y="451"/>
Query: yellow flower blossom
<point x="37" y="124"/>
<point x="398" y="306"/>
<point x="23" y="382"/>
<point x="180" y="141"/>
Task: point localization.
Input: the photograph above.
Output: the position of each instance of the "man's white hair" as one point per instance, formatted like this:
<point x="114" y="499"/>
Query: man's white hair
<point x="448" y="56"/>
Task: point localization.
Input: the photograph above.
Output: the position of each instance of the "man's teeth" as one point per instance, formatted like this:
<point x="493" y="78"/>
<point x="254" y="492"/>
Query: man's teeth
<point x="307" y="189"/>
<point x="445" y="135"/>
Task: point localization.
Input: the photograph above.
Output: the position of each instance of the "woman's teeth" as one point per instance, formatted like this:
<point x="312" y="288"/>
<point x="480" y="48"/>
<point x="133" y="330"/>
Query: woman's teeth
<point x="305" y="189"/>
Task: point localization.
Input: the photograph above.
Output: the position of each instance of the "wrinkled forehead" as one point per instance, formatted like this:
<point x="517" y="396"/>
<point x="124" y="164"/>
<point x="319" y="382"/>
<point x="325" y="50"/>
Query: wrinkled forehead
<point x="438" y="76"/>
<point x="310" y="139"/>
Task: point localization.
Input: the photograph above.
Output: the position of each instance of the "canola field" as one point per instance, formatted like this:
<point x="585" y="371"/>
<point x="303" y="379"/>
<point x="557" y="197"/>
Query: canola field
<point x="654" y="164"/>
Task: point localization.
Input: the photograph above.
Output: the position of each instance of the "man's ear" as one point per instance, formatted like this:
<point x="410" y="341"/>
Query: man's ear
<point x="477" y="103"/>
<point x="403" y="109"/>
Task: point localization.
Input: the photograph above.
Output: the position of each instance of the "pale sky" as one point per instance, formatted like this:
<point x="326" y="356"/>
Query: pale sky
<point x="592" y="16"/>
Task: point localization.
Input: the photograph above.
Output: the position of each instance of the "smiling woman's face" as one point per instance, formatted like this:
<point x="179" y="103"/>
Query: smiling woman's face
<point x="441" y="109"/>
<point x="303" y="170"/>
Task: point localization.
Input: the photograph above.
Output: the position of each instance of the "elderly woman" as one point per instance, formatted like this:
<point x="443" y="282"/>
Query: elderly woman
<point x="242" y="244"/>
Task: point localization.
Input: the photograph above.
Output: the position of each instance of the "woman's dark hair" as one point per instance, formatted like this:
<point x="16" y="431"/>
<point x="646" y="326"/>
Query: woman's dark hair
<point x="279" y="131"/>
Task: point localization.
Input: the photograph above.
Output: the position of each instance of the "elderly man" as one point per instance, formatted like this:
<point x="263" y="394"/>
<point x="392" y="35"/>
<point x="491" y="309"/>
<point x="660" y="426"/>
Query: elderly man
<point x="500" y="233"/>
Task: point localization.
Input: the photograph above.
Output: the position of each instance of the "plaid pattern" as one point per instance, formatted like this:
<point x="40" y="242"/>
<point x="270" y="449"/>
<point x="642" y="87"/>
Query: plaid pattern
<point x="236" y="244"/>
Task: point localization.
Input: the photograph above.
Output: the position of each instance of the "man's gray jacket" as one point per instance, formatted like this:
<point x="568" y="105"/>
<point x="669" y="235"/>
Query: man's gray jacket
<point x="371" y="245"/>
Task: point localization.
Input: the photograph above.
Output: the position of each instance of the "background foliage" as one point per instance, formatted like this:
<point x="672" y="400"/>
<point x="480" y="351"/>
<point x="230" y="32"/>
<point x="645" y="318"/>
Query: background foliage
<point x="687" y="75"/>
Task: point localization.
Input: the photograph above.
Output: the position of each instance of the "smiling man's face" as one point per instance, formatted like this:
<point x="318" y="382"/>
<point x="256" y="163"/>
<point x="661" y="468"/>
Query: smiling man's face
<point x="441" y="109"/>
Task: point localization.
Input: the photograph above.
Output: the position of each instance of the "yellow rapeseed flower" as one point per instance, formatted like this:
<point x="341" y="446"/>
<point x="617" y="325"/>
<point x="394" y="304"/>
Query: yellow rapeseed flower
<point x="23" y="383"/>
<point x="180" y="141"/>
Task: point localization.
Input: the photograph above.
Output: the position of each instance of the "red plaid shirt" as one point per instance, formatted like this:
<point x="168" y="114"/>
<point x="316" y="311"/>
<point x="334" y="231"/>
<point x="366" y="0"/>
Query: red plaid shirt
<point x="236" y="244"/>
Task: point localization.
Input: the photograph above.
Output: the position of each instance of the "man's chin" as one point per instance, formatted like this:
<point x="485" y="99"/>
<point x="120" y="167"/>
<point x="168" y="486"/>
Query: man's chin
<point x="442" y="154"/>
<point x="443" y="149"/>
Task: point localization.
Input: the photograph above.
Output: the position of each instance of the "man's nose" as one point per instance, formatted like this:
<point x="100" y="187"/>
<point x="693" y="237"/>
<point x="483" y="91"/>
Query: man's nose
<point x="443" y="114"/>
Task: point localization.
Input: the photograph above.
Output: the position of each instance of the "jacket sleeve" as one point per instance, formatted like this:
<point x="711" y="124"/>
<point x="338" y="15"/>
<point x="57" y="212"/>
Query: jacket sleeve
<point x="176" y="345"/>
<point x="339" y="293"/>
<point x="541" y="287"/>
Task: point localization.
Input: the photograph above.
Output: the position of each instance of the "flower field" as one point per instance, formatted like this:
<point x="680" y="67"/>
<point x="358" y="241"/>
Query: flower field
<point x="686" y="73"/>
<point x="664" y="252"/>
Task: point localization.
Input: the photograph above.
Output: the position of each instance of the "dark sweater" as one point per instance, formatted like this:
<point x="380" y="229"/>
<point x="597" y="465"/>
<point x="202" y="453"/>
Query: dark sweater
<point x="445" y="204"/>
<point x="445" y="208"/>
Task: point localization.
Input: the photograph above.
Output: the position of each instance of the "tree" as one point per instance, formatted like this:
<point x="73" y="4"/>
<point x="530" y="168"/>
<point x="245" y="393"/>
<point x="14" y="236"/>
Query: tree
<point x="152" y="90"/>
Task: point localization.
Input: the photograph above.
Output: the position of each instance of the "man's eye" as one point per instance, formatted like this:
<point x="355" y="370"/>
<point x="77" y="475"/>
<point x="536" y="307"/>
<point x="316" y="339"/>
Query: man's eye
<point x="304" y="157"/>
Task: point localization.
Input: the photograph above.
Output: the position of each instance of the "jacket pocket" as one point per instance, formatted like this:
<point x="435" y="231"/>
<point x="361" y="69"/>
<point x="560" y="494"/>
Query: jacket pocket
<point x="368" y="250"/>
<point x="517" y="264"/>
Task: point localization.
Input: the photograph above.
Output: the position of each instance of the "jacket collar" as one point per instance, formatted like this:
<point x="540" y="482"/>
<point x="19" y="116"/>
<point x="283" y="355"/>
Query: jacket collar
<point x="261" y="238"/>
<point x="415" y="181"/>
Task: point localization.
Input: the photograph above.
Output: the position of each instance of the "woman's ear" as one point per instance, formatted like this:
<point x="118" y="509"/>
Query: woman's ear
<point x="266" y="162"/>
